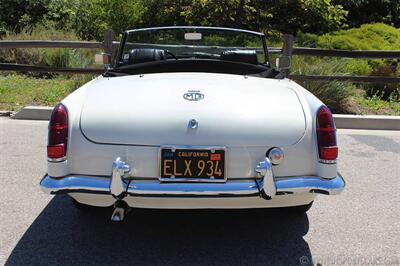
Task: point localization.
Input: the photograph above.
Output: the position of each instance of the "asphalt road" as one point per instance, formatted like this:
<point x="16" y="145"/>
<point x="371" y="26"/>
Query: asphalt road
<point x="361" y="226"/>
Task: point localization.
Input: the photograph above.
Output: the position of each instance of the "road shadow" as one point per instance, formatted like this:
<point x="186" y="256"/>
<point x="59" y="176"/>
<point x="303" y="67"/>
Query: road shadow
<point x="62" y="234"/>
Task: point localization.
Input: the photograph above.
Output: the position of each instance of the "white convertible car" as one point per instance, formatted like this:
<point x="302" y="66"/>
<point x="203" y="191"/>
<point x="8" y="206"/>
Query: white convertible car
<point x="192" y="117"/>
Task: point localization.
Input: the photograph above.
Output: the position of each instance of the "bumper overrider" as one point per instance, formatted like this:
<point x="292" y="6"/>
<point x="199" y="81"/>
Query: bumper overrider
<point x="122" y="184"/>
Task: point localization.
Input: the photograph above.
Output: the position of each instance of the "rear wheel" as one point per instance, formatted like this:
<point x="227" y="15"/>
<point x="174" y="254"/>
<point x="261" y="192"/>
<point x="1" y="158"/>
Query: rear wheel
<point x="302" y="209"/>
<point x="82" y="207"/>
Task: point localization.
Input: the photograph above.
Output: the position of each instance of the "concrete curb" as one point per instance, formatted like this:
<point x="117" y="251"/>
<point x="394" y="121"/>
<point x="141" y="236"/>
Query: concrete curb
<point x="377" y="122"/>
<point x="34" y="113"/>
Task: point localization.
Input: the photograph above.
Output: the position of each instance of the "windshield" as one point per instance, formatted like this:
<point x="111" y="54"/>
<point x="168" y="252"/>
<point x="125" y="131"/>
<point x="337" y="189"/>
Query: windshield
<point x="194" y="43"/>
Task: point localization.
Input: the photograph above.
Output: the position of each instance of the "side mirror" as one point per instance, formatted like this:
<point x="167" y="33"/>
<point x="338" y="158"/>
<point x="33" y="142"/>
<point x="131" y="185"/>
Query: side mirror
<point x="102" y="59"/>
<point x="283" y="62"/>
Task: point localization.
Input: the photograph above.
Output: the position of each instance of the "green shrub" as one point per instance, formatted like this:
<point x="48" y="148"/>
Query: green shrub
<point x="335" y="94"/>
<point x="56" y="57"/>
<point x="306" y="40"/>
<point x="387" y="92"/>
<point x="358" y="66"/>
<point x="376" y="36"/>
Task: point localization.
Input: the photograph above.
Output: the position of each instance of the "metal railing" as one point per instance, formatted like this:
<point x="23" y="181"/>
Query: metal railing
<point x="109" y="44"/>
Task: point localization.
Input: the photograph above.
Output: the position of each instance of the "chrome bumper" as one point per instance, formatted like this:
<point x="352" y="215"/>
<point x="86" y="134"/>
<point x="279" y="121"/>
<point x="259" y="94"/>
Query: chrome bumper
<point x="266" y="186"/>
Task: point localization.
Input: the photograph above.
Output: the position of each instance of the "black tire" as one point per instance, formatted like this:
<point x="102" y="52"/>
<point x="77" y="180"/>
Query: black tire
<point x="299" y="210"/>
<point x="83" y="207"/>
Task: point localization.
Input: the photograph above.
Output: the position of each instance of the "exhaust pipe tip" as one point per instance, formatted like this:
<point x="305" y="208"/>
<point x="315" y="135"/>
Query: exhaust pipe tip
<point x="118" y="215"/>
<point x="120" y="209"/>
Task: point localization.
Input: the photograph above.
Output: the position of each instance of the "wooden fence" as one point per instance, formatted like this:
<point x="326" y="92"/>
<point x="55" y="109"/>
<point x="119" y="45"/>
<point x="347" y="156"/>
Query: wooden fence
<point x="109" y="44"/>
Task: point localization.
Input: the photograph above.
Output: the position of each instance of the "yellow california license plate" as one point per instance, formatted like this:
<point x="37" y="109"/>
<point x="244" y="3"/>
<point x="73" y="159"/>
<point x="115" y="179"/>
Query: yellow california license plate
<point x="193" y="163"/>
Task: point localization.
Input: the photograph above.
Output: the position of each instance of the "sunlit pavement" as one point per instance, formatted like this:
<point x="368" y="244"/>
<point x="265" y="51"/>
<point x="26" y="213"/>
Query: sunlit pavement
<point x="361" y="226"/>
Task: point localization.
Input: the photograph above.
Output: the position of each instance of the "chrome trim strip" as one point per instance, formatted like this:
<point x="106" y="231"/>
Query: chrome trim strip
<point x="57" y="160"/>
<point x="190" y="180"/>
<point x="94" y="184"/>
<point x="196" y="27"/>
<point x="311" y="184"/>
<point x="232" y="188"/>
<point x="327" y="161"/>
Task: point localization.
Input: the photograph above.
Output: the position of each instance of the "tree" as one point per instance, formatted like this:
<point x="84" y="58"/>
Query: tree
<point x="371" y="11"/>
<point x="287" y="16"/>
<point x="94" y="17"/>
<point x="16" y="15"/>
<point x="62" y="13"/>
<point x="91" y="18"/>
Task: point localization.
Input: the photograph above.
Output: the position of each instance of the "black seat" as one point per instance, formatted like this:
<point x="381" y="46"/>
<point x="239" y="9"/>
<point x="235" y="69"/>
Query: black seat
<point x="137" y="56"/>
<point x="240" y="56"/>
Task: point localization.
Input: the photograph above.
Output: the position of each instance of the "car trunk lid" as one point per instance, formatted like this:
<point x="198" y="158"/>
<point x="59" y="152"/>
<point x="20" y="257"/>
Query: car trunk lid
<point x="156" y="109"/>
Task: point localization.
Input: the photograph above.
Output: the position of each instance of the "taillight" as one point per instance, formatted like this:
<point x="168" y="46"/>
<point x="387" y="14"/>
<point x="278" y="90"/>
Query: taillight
<point x="58" y="133"/>
<point x="326" y="135"/>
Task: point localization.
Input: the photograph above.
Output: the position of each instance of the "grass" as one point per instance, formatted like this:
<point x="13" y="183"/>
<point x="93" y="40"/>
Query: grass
<point x="17" y="91"/>
<point x="377" y="106"/>
<point x="56" y="57"/>
<point x="342" y="97"/>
